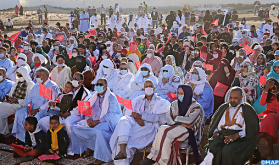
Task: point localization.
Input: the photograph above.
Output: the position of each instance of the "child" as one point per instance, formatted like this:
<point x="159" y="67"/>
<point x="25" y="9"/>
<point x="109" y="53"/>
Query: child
<point x="34" y="141"/>
<point x="57" y="140"/>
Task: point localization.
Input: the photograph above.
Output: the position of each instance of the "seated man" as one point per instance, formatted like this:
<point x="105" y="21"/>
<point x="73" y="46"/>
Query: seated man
<point x="34" y="103"/>
<point x="233" y="132"/>
<point x="5" y="62"/>
<point x="16" y="98"/>
<point x="5" y="85"/>
<point x="95" y="131"/>
<point x="184" y="120"/>
<point x="9" y="24"/>
<point x="122" y="82"/>
<point x="70" y="116"/>
<point x="138" y="129"/>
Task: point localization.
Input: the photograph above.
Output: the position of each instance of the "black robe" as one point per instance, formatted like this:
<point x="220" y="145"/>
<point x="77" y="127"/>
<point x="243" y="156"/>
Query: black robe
<point x="239" y="151"/>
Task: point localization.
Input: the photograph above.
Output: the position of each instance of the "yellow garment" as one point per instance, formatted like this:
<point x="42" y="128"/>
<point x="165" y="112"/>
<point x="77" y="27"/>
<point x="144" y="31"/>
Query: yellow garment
<point x="137" y="52"/>
<point x="13" y="59"/>
<point x="54" y="139"/>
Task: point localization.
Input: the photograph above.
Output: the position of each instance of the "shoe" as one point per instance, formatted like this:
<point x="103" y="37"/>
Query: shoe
<point x="27" y="158"/>
<point x="2" y="137"/>
<point x="147" y="161"/>
<point x="15" y="155"/>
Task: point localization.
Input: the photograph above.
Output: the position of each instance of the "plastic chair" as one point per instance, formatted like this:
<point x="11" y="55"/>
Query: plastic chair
<point x="184" y="147"/>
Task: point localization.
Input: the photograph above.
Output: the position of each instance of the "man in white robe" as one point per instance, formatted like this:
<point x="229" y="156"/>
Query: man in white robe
<point x="143" y="21"/>
<point x="137" y="129"/>
<point x="94" y="21"/>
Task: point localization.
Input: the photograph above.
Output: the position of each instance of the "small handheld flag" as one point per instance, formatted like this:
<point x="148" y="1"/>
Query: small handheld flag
<point x="172" y="96"/>
<point x="84" y="108"/>
<point x="220" y="89"/>
<point x="126" y="102"/>
<point x="45" y="92"/>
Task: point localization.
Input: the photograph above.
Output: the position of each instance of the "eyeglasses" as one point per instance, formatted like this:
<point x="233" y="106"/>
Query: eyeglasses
<point x="122" y="68"/>
<point x="244" y="66"/>
<point x="144" y="68"/>
<point x="195" y="73"/>
<point x="105" y="66"/>
<point x="75" y="79"/>
<point x="276" y="67"/>
<point x="99" y="84"/>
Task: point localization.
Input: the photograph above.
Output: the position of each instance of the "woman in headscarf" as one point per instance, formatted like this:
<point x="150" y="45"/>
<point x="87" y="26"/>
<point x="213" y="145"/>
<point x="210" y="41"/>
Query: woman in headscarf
<point x="106" y="70"/>
<point x="217" y="56"/>
<point x="72" y="44"/>
<point x="38" y="61"/>
<point x="168" y="82"/>
<point x="81" y="67"/>
<point x="46" y="46"/>
<point x="183" y="122"/>
<point x="39" y="31"/>
<point x="165" y="51"/>
<point x="223" y="75"/>
<point x="256" y="51"/>
<point x="39" y="50"/>
<point x="13" y="54"/>
<point x="72" y="61"/>
<point x="21" y="10"/>
<point x="16" y="10"/>
<point x="239" y="58"/>
<point x="205" y="54"/>
<point x="261" y="63"/>
<point x="226" y="52"/>
<point x="202" y="91"/>
<point x="245" y="39"/>
<point x="153" y="62"/>
<point x="247" y="80"/>
<point x="29" y="38"/>
<point x="207" y="19"/>
<point x="170" y="60"/>
<point x="137" y="85"/>
<point x="61" y="74"/>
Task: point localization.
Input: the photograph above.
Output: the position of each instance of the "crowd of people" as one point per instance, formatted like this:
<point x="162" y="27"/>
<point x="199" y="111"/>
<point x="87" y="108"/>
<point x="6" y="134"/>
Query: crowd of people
<point x="143" y="84"/>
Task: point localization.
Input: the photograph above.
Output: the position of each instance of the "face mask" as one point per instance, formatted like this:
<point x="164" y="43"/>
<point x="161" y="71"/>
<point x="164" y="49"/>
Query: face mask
<point x="20" y="62"/>
<point x="106" y="71"/>
<point x="243" y="23"/>
<point x="100" y="89"/>
<point x="39" y="80"/>
<point x="26" y="47"/>
<point x="215" y="56"/>
<point x="60" y="65"/>
<point x="56" y="47"/>
<point x="243" y="35"/>
<point x="180" y="97"/>
<point x="104" y="57"/>
<point x="165" y="74"/>
<point x="214" y="30"/>
<point x="2" y="55"/>
<point x="149" y="91"/>
<point x="21" y="79"/>
<point x="1" y="78"/>
<point x="144" y="73"/>
<point x="123" y="72"/>
<point x="75" y="83"/>
<point x="274" y="27"/>
<point x="149" y="55"/>
<point x="195" y="77"/>
<point x="37" y="64"/>
<point x="74" y="54"/>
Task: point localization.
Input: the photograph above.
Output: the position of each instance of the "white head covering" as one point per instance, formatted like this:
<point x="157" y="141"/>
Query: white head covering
<point x="201" y="83"/>
<point x="170" y="70"/>
<point x="108" y="63"/>
<point x="75" y="41"/>
<point x="21" y="55"/>
<point x="41" y="57"/>
<point x="227" y="96"/>
<point x="258" y="46"/>
<point x="111" y="45"/>
<point x="139" y="77"/>
<point x="23" y="71"/>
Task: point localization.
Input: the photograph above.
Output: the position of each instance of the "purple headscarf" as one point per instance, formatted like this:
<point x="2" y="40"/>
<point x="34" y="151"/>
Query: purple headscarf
<point x="187" y="100"/>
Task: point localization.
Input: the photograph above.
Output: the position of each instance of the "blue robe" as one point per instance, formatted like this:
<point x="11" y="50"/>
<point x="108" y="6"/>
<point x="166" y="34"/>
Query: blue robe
<point x="5" y="88"/>
<point x="6" y="63"/>
<point x="84" y="24"/>
<point x="97" y="138"/>
<point x="37" y="102"/>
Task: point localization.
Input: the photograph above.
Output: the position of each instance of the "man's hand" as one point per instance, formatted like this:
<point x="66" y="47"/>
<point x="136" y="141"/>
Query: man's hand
<point x="13" y="101"/>
<point x="140" y="122"/>
<point x="28" y="110"/>
<point x="51" y="151"/>
<point x="231" y="138"/>
<point x="35" y="111"/>
<point x="164" y="80"/>
<point x="65" y="115"/>
<point x="136" y="115"/>
<point x="51" y="103"/>
<point x="57" y="152"/>
<point x="215" y="134"/>
<point x="27" y="149"/>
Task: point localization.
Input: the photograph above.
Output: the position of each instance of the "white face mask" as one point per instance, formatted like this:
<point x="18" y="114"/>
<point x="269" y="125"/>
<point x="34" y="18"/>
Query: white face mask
<point x="2" y="55"/>
<point x="56" y="47"/>
<point x="60" y="65"/>
<point x="104" y="57"/>
<point x="215" y="56"/>
<point x="149" y="91"/>
<point x="74" y="54"/>
<point x="26" y="47"/>
<point x="75" y="83"/>
<point x="165" y="74"/>
<point x="20" y="62"/>
<point x="106" y="71"/>
<point x="39" y="80"/>
<point x="21" y="79"/>
<point x="1" y="78"/>
<point x="149" y="55"/>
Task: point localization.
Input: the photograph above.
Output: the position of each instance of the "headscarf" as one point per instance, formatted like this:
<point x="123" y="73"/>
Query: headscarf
<point x="108" y="63"/>
<point x="80" y="66"/>
<point x="201" y="83"/>
<point x="171" y="74"/>
<point x="23" y="71"/>
<point x="258" y="68"/>
<point x="272" y="73"/>
<point x="217" y="60"/>
<point x="39" y="31"/>
<point x="21" y="55"/>
<point x="41" y="57"/>
<point x="188" y="75"/>
<point x="75" y="41"/>
<point x="187" y="100"/>
<point x="149" y="60"/>
<point x="139" y="77"/>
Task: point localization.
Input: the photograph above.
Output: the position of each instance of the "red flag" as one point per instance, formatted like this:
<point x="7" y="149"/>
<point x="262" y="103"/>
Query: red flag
<point x="263" y="114"/>
<point x="204" y="33"/>
<point x="18" y="146"/>
<point x="209" y="67"/>
<point x="13" y="38"/>
<point x="147" y="43"/>
<point x="203" y="55"/>
<point x="169" y="37"/>
<point x="70" y="54"/>
<point x="57" y="100"/>
<point x="92" y="32"/>
<point x="133" y="47"/>
<point x="267" y="34"/>
<point x="45" y="92"/>
<point x="118" y="34"/>
<point x="15" y="57"/>
<point x="204" y="65"/>
<point x="30" y="108"/>
<point x="84" y="108"/>
<point x="248" y="49"/>
<point x="126" y="102"/>
<point x="220" y="89"/>
<point x="87" y="36"/>
<point x="172" y="96"/>
<point x="17" y="43"/>
<point x="262" y="80"/>
<point x="138" y="64"/>
<point x="60" y="38"/>
<point x="215" y="22"/>
<point x="278" y="20"/>
<point x="49" y="157"/>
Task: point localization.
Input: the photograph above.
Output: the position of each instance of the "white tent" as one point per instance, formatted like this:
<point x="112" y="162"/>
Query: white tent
<point x="9" y="4"/>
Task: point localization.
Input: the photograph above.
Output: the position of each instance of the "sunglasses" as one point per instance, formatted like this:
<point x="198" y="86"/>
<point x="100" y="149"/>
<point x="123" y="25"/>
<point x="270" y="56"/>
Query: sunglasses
<point x="99" y="84"/>
<point x="146" y="69"/>
<point x="122" y="68"/>
<point x="75" y="79"/>
<point x="244" y="66"/>
<point x="195" y="73"/>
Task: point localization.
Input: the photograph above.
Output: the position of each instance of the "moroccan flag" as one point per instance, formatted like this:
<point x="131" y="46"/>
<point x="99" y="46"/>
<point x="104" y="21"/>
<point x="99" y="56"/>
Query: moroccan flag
<point x="18" y="146"/>
<point x="118" y="34"/>
<point x="92" y="32"/>
<point x="49" y="157"/>
<point x="17" y="43"/>
<point x="70" y="54"/>
<point x="204" y="33"/>
<point x="13" y="38"/>
<point x="126" y="102"/>
<point x="248" y="49"/>
<point x="45" y="92"/>
<point x="138" y="64"/>
<point x="60" y="38"/>
<point x="209" y="67"/>
<point x="220" y="89"/>
<point x="172" y="96"/>
<point x="203" y="55"/>
<point x="215" y="22"/>
<point x="84" y="108"/>
<point x="87" y="36"/>
<point x="133" y="47"/>
<point x="262" y="80"/>
<point x="204" y="65"/>
<point x="169" y="37"/>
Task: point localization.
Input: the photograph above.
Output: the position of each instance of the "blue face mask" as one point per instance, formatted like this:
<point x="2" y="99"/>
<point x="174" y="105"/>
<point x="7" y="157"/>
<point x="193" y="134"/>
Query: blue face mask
<point x="165" y="74"/>
<point x="100" y="89"/>
<point x="195" y="77"/>
<point x="144" y="73"/>
<point x="180" y="97"/>
<point x="123" y="72"/>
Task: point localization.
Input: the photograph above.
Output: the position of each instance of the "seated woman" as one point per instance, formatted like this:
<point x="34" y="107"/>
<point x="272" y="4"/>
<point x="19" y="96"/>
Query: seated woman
<point x="183" y="122"/>
<point x="239" y="58"/>
<point x="137" y="85"/>
<point x="168" y="82"/>
<point x="270" y="124"/>
<point x="153" y="62"/>
<point x="202" y="91"/>
<point x="38" y="61"/>
<point x="261" y="62"/>
<point x="170" y="60"/>
<point x="72" y="61"/>
<point x="247" y="80"/>
<point x="188" y="75"/>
